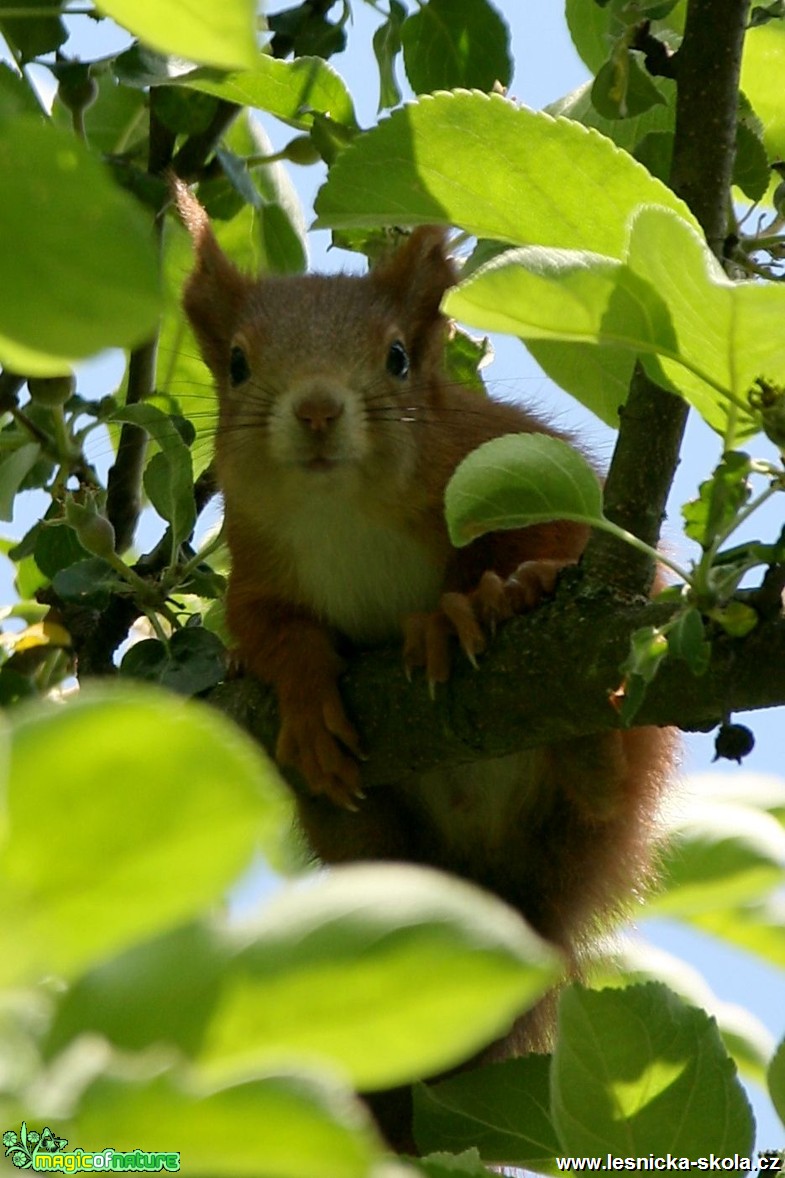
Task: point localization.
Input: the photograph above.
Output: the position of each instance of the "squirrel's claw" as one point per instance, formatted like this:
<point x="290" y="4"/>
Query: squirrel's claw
<point x="318" y="743"/>
<point x="466" y="616"/>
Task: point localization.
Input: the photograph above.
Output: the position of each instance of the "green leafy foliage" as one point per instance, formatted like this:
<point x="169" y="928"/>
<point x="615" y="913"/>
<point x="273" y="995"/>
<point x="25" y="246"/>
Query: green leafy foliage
<point x="48" y="180"/>
<point x="371" y="956"/>
<point x="193" y="29"/>
<point x="636" y="1072"/>
<point x="135" y="1010"/>
<point x="447" y="45"/>
<point x="65" y="904"/>
<point x="518" y="480"/>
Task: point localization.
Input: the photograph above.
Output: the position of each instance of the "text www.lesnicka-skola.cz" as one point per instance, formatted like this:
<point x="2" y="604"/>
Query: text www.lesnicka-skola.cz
<point x="767" y="1161"/>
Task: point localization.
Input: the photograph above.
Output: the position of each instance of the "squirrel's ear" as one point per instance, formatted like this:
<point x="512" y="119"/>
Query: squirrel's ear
<point x="215" y="293"/>
<point x="417" y="275"/>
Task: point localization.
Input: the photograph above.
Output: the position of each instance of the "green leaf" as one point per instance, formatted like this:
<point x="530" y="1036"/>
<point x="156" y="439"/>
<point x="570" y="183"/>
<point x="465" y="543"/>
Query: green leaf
<point x="446" y="1165"/>
<point x="719" y="500"/>
<point x="518" y="480"/>
<point x="627" y="133"/>
<point x="632" y="962"/>
<point x="33" y="35"/>
<point x="169" y="487"/>
<point x="622" y="89"/>
<point x="777" y="1081"/>
<point x="422" y="165"/>
<point x="13" y="469"/>
<point x="751" y="170"/>
<point x="636" y="1071"/>
<point x="386" y="47"/>
<point x="90" y="582"/>
<point x="73" y="231"/>
<point x="193" y="661"/>
<point x="759" y="928"/>
<point x="502" y="1109"/>
<point x="726" y="330"/>
<point x="291" y="90"/>
<point x="687" y="641"/>
<point x="114" y="837"/>
<point x="16" y="96"/>
<point x="284" y="1125"/>
<point x="569" y="295"/>
<point x="464" y="358"/>
<point x="719" y="856"/>
<point x="598" y="377"/>
<point x="391" y="972"/>
<point x="761" y="80"/>
<point x="452" y="44"/>
<point x="168" y="477"/>
<point x="223" y="35"/>
<point x="159" y="991"/>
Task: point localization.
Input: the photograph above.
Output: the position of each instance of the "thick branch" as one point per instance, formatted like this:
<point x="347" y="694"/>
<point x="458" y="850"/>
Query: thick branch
<point x="653" y="420"/>
<point x="547" y="677"/>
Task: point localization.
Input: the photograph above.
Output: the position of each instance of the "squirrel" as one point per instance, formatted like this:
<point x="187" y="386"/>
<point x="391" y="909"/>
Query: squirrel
<point x="338" y="431"/>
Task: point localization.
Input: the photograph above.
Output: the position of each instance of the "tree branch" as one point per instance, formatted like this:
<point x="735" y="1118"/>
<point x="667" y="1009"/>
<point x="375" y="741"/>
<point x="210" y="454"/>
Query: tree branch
<point x="652" y="424"/>
<point x="517" y="699"/>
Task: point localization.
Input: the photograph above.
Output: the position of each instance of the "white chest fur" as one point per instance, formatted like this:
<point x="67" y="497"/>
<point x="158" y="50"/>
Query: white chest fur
<point x="357" y="573"/>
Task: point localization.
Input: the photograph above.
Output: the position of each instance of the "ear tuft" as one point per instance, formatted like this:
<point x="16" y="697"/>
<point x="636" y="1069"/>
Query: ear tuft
<point x="215" y="293"/>
<point x="417" y="275"/>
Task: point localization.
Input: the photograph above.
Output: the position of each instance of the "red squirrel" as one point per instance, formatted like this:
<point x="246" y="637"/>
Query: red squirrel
<point x="338" y="432"/>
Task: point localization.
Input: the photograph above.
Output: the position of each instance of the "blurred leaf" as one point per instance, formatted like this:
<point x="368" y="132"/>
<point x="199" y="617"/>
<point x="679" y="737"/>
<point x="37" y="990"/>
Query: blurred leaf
<point x="758" y="928"/>
<point x="34" y="35"/>
<point x="223" y="35"/>
<point x="74" y="231"/>
<point x="777" y="1081"/>
<point x="519" y="480"/>
<point x="456" y="44"/>
<point x="391" y="972"/>
<point x="636" y="1071"/>
<point x="421" y="165"/>
<point x="16" y="97"/>
<point x="502" y="1109"/>
<point x="761" y="80"/>
<point x="718" y="856"/>
<point x="113" y="837"/>
<point x="193" y="661"/>
<point x="444" y="1165"/>
<point x="14" y="466"/>
<point x="274" y="1126"/>
<point x="159" y="991"/>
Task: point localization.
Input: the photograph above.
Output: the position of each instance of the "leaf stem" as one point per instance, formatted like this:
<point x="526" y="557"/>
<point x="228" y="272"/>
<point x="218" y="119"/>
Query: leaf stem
<point x="620" y="533"/>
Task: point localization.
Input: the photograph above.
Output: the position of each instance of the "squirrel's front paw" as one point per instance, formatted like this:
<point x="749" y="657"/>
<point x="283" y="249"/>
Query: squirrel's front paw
<point x="320" y="743"/>
<point x="467" y="616"/>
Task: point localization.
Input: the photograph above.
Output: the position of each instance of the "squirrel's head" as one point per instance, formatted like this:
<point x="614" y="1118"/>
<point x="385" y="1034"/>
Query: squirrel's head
<point x="318" y="360"/>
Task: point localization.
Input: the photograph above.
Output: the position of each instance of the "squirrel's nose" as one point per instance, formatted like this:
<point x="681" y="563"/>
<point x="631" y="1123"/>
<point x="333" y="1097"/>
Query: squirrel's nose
<point x="318" y="412"/>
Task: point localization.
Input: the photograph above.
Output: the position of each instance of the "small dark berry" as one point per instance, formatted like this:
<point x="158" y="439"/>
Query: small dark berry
<point x="733" y="742"/>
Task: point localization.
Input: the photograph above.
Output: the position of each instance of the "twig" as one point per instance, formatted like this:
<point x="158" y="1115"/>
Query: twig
<point x="653" y="420"/>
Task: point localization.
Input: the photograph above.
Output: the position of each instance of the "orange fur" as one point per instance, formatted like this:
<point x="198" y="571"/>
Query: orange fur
<point x="333" y="466"/>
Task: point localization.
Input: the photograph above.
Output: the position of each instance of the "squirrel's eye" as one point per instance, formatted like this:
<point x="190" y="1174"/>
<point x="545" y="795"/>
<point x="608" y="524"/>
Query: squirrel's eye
<point x="239" y="369"/>
<point x="398" y="360"/>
